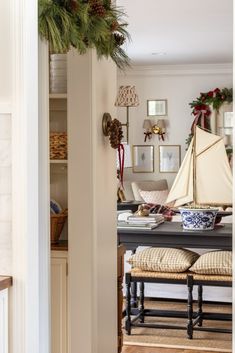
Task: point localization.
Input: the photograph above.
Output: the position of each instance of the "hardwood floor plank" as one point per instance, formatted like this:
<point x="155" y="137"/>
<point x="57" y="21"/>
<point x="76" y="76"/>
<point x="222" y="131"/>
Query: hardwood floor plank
<point x="140" y="349"/>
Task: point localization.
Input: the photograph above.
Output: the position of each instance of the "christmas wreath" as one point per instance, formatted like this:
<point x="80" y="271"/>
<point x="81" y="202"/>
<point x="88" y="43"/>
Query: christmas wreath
<point x="84" y="24"/>
<point x="201" y="107"/>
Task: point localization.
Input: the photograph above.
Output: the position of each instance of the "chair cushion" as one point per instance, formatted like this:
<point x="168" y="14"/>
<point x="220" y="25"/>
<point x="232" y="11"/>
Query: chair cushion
<point x="214" y="263"/>
<point x="147" y="185"/>
<point x="157" y="196"/>
<point x="163" y="259"/>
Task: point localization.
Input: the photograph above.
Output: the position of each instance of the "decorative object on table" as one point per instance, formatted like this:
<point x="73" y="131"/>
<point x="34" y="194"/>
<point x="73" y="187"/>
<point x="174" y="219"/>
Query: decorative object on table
<point x="143" y="211"/>
<point x="58" y="73"/>
<point x="57" y="224"/>
<point x="203" y="181"/>
<point x="113" y="129"/>
<point x="201" y="108"/>
<point x="58" y="145"/>
<point x="147" y="126"/>
<point x="169" y="158"/>
<point x="143" y="158"/>
<point x="157" y="107"/>
<point x="84" y="24"/>
<point x="159" y="129"/>
<point x="127" y="97"/>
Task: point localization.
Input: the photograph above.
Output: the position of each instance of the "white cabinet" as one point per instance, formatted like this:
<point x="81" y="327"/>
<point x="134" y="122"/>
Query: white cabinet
<point x="59" y="302"/>
<point x="4" y="321"/>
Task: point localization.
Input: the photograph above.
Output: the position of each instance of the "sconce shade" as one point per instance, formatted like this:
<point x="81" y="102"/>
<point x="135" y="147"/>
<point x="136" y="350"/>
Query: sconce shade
<point x="161" y="123"/>
<point x="127" y="97"/>
<point x="147" y="125"/>
<point x="127" y="157"/>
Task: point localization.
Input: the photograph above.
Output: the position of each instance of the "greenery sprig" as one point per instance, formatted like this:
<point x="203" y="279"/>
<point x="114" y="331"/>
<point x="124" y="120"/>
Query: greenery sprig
<point x="84" y="24"/>
<point x="201" y="107"/>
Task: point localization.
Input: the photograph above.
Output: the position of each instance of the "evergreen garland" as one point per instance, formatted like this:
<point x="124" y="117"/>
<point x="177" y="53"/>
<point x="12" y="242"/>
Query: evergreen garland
<point x="84" y="24"/>
<point x="201" y="107"/>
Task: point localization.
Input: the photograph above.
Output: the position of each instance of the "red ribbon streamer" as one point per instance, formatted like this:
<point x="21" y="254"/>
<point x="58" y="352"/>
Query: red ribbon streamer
<point x="121" y="157"/>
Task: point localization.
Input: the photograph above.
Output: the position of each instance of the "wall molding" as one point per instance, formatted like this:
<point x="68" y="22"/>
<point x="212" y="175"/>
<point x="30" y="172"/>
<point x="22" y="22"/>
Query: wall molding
<point x="178" y="70"/>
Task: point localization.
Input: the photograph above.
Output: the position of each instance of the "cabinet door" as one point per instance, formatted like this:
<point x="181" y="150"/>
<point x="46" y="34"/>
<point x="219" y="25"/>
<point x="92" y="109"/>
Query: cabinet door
<point x="59" y="305"/>
<point x="4" y="321"/>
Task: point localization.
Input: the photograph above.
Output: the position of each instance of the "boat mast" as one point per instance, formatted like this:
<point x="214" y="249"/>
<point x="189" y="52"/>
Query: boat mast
<point x="194" y="169"/>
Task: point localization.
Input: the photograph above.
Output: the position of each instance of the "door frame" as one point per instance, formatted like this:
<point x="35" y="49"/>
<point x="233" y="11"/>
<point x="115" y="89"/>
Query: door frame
<point x="30" y="325"/>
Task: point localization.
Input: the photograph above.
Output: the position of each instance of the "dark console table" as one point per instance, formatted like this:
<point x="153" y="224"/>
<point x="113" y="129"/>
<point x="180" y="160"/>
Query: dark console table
<point x="130" y="205"/>
<point x="171" y="234"/>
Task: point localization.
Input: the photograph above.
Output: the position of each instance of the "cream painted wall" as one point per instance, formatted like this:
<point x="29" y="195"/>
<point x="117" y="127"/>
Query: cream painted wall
<point x="5" y="139"/>
<point x="179" y="85"/>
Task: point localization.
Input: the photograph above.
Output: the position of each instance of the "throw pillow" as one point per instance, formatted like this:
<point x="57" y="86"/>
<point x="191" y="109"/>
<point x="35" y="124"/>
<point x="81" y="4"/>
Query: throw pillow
<point x="214" y="263"/>
<point x="157" y="196"/>
<point x="163" y="259"/>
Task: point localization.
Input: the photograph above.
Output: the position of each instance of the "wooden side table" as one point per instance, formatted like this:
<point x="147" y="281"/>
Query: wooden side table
<point x="120" y="274"/>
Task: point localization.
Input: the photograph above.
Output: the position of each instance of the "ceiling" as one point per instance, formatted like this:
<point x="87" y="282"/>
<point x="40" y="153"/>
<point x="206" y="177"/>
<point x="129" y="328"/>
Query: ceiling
<point x="179" y="31"/>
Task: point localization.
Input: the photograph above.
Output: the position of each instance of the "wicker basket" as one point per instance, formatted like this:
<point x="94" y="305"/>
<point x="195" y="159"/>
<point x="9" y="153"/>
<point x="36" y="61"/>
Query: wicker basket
<point x="58" y="145"/>
<point x="57" y="225"/>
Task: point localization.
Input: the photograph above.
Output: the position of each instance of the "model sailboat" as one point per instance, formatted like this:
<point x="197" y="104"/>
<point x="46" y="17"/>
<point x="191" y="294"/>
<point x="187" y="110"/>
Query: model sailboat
<point x="204" y="179"/>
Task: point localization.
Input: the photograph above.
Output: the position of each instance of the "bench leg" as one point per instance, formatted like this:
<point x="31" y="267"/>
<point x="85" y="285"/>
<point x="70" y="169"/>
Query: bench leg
<point x="141" y="306"/>
<point x="190" y="307"/>
<point x="128" y="304"/>
<point x="199" y="312"/>
<point x="134" y="300"/>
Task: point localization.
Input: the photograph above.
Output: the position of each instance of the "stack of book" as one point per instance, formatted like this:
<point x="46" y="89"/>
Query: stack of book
<point x="138" y="222"/>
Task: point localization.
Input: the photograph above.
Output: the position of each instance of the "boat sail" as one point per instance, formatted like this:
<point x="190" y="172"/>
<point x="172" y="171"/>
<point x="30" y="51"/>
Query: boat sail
<point x="205" y="176"/>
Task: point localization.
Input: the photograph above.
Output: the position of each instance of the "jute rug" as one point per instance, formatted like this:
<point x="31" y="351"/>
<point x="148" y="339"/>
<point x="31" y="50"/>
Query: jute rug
<point x="166" y="338"/>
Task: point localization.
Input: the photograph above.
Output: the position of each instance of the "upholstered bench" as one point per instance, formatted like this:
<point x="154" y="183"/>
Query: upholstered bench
<point x="186" y="278"/>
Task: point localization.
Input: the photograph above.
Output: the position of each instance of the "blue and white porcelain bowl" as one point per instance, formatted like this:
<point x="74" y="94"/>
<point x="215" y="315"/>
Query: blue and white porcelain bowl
<point x="198" y="218"/>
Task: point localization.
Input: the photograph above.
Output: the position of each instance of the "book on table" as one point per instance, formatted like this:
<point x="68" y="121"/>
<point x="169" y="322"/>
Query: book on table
<point x="138" y="225"/>
<point x="145" y="220"/>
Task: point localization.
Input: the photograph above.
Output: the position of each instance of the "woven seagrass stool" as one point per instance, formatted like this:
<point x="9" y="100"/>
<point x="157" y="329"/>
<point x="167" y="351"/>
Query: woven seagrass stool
<point x="193" y="320"/>
<point x="138" y="276"/>
<point x="185" y="278"/>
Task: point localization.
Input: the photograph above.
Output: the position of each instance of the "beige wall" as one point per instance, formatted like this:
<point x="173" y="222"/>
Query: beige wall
<point x="180" y="85"/>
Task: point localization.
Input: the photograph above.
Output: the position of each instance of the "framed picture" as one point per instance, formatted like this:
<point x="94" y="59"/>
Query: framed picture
<point x="143" y="159"/>
<point x="157" y="107"/>
<point x="169" y="158"/>
<point x="124" y="129"/>
<point x="228" y="119"/>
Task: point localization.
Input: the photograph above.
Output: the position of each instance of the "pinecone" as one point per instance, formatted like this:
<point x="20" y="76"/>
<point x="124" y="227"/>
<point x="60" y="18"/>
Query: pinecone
<point x="97" y="8"/>
<point x="73" y="5"/>
<point x="119" y="39"/>
<point x="115" y="133"/>
<point x="114" y="26"/>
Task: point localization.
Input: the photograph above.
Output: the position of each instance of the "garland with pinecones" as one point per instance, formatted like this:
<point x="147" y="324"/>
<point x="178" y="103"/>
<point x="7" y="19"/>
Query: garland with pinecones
<point x="84" y="24"/>
<point x="201" y="108"/>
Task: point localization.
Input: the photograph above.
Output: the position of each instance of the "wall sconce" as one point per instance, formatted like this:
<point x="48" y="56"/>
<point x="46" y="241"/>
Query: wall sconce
<point x="147" y="126"/>
<point x="159" y="129"/>
<point x="127" y="97"/>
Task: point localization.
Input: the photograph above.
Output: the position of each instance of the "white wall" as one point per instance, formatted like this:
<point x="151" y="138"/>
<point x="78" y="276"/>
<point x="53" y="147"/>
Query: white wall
<point x="180" y="85"/>
<point x="5" y="139"/>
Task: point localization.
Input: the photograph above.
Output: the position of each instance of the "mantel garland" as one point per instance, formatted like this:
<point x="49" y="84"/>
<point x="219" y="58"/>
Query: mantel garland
<point x="201" y="107"/>
<point x="84" y="24"/>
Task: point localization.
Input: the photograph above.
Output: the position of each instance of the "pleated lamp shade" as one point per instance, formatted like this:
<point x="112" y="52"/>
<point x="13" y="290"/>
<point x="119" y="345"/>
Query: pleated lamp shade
<point x="127" y="97"/>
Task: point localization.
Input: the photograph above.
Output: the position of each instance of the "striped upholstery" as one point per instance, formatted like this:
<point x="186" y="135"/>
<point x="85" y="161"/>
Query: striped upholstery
<point x="163" y="259"/>
<point x="214" y="263"/>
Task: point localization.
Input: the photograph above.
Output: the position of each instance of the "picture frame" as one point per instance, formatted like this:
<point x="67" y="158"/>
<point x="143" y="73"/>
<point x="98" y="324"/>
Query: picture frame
<point x="228" y="119"/>
<point x="143" y="158"/>
<point x="157" y="107"/>
<point x="169" y="158"/>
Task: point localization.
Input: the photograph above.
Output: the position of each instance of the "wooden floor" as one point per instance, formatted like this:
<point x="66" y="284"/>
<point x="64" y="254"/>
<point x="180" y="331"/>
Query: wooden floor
<point x="138" y="349"/>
